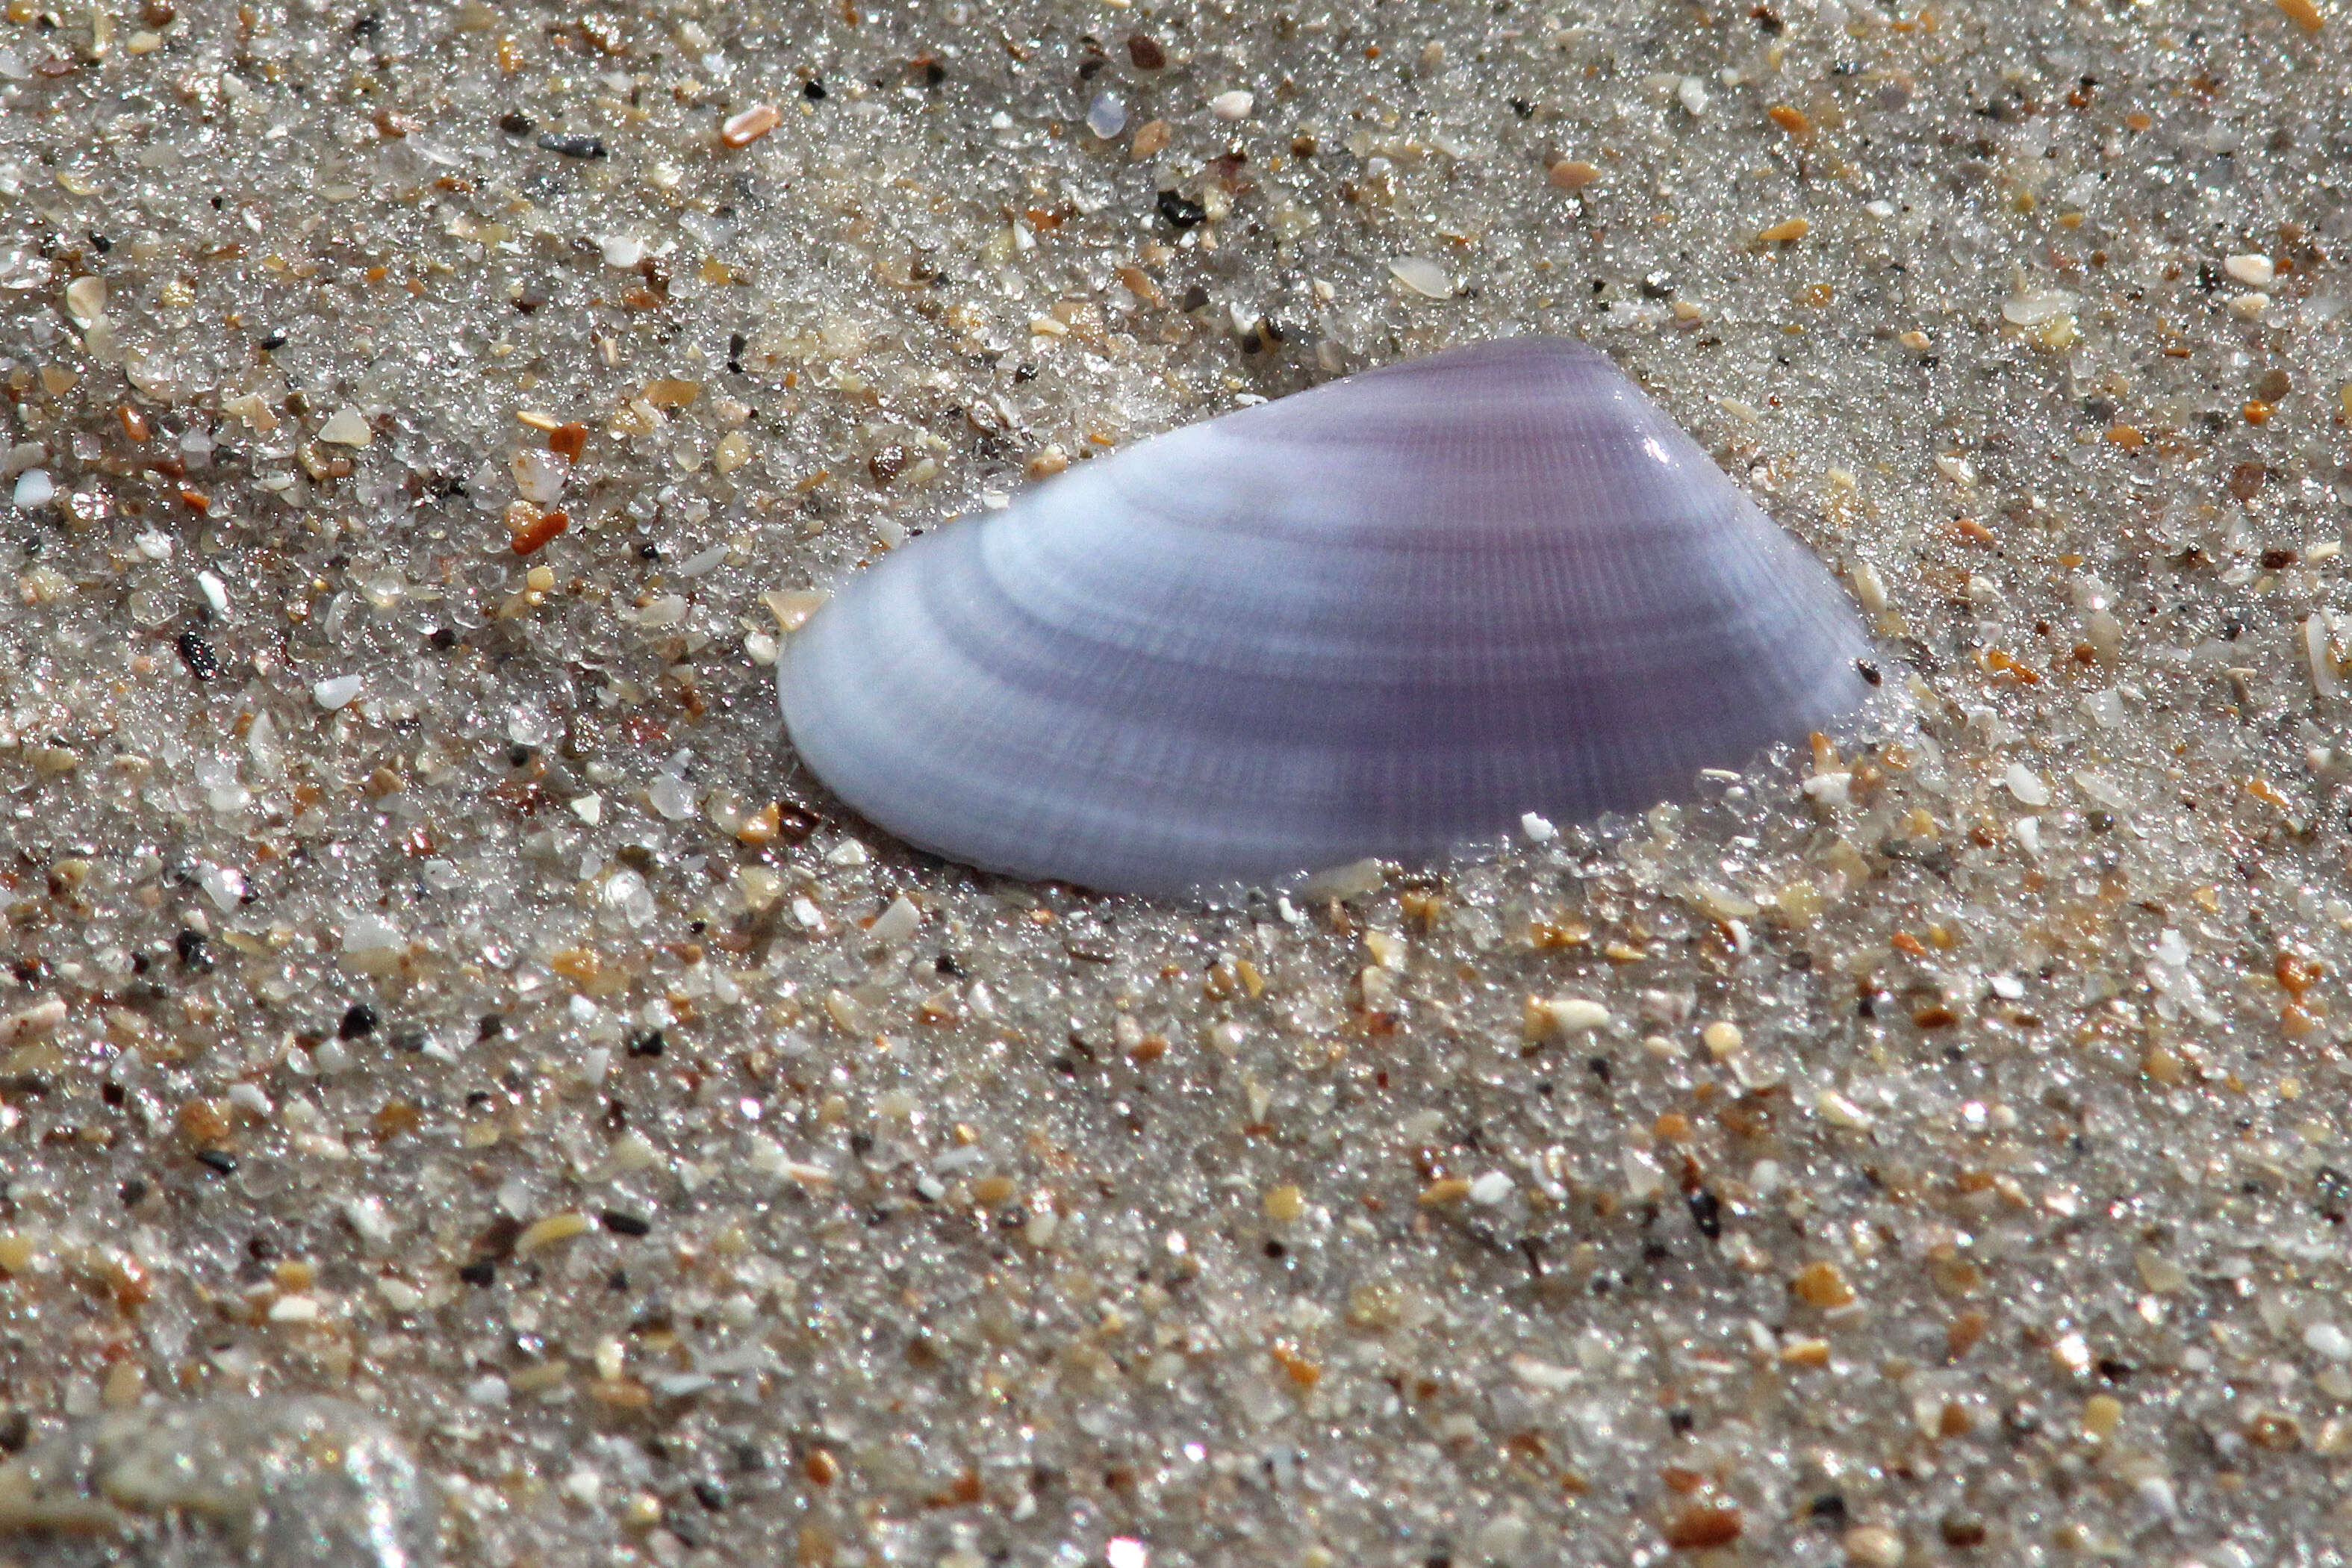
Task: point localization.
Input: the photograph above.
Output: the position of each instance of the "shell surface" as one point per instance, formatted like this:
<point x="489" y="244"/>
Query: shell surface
<point x="1387" y="617"/>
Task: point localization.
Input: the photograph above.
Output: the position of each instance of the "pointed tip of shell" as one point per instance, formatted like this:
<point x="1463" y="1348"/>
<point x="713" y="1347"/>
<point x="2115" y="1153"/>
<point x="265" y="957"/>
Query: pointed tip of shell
<point x="1386" y="617"/>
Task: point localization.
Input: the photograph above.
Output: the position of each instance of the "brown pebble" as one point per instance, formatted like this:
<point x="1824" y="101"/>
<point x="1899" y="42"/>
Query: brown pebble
<point x="2277" y="1433"/>
<point x="1145" y="51"/>
<point x="2273" y="385"/>
<point x="2257" y="412"/>
<point x="1792" y="120"/>
<point x="743" y="129"/>
<point x="158" y="14"/>
<point x="536" y="533"/>
<point x="1702" y="1527"/>
<point x="203" y="1122"/>
<point x="1444" y="1191"/>
<point x="132" y="1284"/>
<point x="1961" y="1530"/>
<point x="1139" y="283"/>
<point x="2246" y="480"/>
<point x="604" y="31"/>
<point x="1822" y="1285"/>
<point x="1573" y="174"/>
<point x="568" y="441"/>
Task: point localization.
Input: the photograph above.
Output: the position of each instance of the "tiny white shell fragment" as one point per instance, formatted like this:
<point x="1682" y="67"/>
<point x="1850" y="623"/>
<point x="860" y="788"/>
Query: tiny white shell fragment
<point x="1564" y="1016"/>
<point x="1833" y="789"/>
<point x="1106" y="115"/>
<point x="2026" y="785"/>
<point x="29" y="1021"/>
<point x="1873" y="1546"/>
<point x="347" y="426"/>
<point x="671" y="796"/>
<point x="2319" y="657"/>
<point x="86" y="301"/>
<point x="895" y="924"/>
<point x="2251" y="304"/>
<point x="2031" y="310"/>
<point x="371" y="934"/>
<point x="1352" y="881"/>
<point x="34" y="490"/>
<point x="1543" y="1375"/>
<point x="538" y="475"/>
<point x="1644" y="1178"/>
<point x="1538" y="829"/>
<point x="368" y="1217"/>
<point x="1691" y="92"/>
<point x="2253" y="269"/>
<point x="1233" y="106"/>
<point x="2154" y="1497"/>
<point x="335" y="691"/>
<point x="622" y="250"/>
<point x="224" y="886"/>
<point x="2103" y="790"/>
<point x="1422" y="276"/>
<point x="1491" y="1189"/>
<point x="1839" y="1111"/>
<point x="215" y="593"/>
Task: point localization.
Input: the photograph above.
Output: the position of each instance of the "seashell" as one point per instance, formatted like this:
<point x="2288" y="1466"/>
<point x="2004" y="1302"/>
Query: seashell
<point x="1390" y="616"/>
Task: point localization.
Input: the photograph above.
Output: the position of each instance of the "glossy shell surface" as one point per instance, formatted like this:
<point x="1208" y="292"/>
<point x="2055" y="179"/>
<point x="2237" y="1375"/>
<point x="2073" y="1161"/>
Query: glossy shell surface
<point x="1384" y="617"/>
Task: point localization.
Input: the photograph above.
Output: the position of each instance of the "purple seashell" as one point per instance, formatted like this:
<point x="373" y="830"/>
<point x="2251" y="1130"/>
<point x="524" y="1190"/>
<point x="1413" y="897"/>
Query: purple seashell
<point x="1384" y="617"/>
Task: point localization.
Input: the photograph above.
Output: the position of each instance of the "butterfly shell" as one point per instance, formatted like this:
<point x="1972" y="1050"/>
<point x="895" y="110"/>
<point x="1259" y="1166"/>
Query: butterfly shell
<point x="1384" y="617"/>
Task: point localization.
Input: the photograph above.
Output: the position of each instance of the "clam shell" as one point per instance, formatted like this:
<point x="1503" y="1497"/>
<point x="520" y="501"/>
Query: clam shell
<point x="1384" y="617"/>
